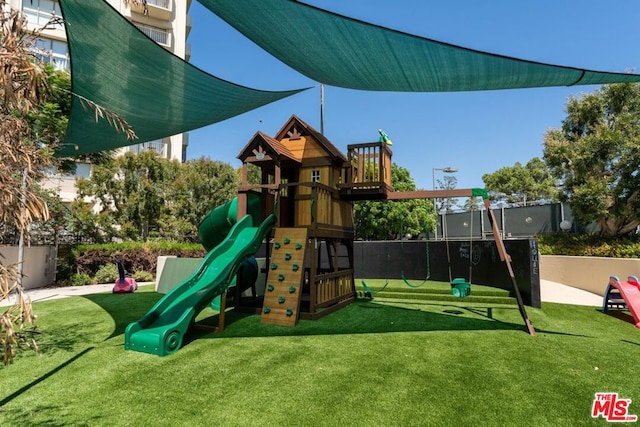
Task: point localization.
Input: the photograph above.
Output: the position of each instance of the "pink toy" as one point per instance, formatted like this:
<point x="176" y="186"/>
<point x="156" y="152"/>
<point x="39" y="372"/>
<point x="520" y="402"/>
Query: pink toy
<point x="124" y="284"/>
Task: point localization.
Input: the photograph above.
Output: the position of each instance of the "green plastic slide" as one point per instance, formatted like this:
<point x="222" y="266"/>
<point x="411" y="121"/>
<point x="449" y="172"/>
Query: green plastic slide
<point x="162" y="329"/>
<point x="215" y="226"/>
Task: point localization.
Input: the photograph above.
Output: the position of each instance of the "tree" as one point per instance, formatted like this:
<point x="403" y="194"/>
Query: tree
<point x="520" y="184"/>
<point x="447" y="204"/>
<point x="23" y="160"/>
<point x="29" y="134"/>
<point x="473" y="204"/>
<point x="388" y="220"/>
<point x="200" y="185"/>
<point x="596" y="153"/>
<point x="130" y="191"/>
<point x="142" y="195"/>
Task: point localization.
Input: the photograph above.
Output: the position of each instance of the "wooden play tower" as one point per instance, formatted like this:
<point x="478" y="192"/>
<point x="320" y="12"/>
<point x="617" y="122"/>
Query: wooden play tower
<point x="302" y="174"/>
<point x="311" y="186"/>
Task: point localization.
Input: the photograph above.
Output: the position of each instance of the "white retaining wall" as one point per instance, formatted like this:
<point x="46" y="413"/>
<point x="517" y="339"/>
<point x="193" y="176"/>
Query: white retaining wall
<point x="586" y="273"/>
<point x="39" y="264"/>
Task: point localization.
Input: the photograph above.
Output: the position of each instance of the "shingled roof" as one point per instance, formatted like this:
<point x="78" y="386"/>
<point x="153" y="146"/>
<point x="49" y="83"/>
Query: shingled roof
<point x="332" y="149"/>
<point x="276" y="146"/>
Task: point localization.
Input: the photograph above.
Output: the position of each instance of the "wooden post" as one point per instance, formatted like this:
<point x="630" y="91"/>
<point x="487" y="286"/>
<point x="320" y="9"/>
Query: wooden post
<point x="504" y="256"/>
<point x="245" y="173"/>
<point x="313" y="289"/>
<point x="242" y="205"/>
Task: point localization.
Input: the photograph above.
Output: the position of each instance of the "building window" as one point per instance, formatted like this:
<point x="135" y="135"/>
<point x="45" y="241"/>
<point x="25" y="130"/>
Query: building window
<point x="315" y="176"/>
<point x="158" y="35"/>
<point x="53" y="52"/>
<point x="40" y="12"/>
<point x="160" y="3"/>
<point x="156" y="145"/>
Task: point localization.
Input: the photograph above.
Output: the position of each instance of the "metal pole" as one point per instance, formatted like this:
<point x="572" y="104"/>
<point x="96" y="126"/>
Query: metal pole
<point x="322" y="109"/>
<point x="23" y="201"/>
<point x="435" y="203"/>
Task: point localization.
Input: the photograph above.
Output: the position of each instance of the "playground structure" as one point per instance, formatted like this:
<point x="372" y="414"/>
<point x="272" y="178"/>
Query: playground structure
<point x="621" y="294"/>
<point x="306" y="193"/>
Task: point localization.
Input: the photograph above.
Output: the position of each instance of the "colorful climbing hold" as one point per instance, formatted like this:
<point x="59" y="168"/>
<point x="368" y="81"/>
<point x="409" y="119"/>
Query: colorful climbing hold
<point x="270" y="287"/>
<point x="276" y="245"/>
<point x="289" y="312"/>
<point x="287" y="256"/>
<point x="281" y="300"/>
<point x="287" y="240"/>
<point x="298" y="246"/>
<point x="292" y="289"/>
<point x="295" y="267"/>
<point x="267" y="310"/>
<point x="281" y="277"/>
<point x="274" y="266"/>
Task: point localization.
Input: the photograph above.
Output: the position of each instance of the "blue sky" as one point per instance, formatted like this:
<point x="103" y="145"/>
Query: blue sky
<point x="476" y="132"/>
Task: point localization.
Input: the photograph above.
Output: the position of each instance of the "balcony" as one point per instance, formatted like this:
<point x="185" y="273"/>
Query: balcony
<point x="189" y="25"/>
<point x="158" y="9"/>
<point x="158" y="35"/>
<point x="367" y="175"/>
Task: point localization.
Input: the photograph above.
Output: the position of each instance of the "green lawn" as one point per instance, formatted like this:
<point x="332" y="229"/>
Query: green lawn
<point x="374" y="363"/>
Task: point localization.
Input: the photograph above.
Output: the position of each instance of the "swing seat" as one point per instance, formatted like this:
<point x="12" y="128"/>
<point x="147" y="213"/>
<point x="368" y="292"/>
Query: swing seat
<point x="460" y="288"/>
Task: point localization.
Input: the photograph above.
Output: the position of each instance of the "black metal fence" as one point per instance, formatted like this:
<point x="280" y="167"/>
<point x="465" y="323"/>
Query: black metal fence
<point x="513" y="222"/>
<point x="477" y="261"/>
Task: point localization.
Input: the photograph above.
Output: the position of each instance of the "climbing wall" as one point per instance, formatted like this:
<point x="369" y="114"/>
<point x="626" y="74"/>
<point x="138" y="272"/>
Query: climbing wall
<point x="284" y="281"/>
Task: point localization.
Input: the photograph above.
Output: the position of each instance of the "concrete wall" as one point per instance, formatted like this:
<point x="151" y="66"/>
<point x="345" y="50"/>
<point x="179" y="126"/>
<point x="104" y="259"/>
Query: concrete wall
<point x="586" y="273"/>
<point x="39" y="264"/>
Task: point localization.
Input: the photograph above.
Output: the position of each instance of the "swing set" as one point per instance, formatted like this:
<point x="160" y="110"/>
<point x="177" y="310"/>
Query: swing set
<point x="460" y="287"/>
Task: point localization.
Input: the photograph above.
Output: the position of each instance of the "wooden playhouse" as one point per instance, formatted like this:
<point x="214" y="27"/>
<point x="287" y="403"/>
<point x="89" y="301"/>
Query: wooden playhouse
<point x="310" y="185"/>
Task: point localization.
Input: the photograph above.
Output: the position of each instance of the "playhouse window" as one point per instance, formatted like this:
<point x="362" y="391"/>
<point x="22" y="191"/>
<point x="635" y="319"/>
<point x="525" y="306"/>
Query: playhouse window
<point x="315" y="176"/>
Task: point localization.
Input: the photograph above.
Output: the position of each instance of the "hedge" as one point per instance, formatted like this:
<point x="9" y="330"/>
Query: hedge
<point x="136" y="256"/>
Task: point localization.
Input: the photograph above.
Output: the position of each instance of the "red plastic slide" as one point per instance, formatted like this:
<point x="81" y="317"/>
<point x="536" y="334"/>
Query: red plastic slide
<point x="630" y="292"/>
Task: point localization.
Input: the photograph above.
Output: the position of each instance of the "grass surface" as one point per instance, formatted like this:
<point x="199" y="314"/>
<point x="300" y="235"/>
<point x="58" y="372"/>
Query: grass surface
<point x="374" y="363"/>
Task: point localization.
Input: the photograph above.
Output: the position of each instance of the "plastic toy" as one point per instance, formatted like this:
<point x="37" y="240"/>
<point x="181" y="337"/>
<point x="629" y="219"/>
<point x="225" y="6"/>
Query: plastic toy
<point x="124" y="284"/>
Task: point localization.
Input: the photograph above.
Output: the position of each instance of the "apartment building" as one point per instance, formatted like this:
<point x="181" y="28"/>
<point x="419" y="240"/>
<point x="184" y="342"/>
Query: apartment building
<point x="164" y="21"/>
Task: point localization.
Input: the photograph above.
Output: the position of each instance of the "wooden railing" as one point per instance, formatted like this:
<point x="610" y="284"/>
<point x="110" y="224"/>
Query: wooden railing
<point x="333" y="287"/>
<point x="368" y="165"/>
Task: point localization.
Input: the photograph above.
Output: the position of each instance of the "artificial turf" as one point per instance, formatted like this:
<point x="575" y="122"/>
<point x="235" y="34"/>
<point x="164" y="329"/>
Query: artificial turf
<point x="374" y="363"/>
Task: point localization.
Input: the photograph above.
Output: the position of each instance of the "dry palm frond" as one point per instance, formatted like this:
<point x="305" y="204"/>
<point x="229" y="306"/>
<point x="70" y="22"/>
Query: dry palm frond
<point x="114" y="119"/>
<point x="17" y="322"/>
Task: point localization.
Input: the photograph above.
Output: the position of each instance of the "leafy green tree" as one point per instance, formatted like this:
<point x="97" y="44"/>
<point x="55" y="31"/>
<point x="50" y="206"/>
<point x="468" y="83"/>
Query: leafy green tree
<point x="519" y="184"/>
<point x="254" y="174"/>
<point x="140" y="196"/>
<point x="200" y="186"/>
<point x="448" y="182"/>
<point x="596" y="153"/>
<point x="375" y="220"/>
<point x="473" y="204"/>
<point x="130" y="191"/>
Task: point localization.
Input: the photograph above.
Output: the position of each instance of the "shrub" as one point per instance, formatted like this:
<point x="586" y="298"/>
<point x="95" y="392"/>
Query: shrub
<point x="136" y="256"/>
<point x="588" y="245"/>
<point x="81" y="279"/>
<point x="143" y="276"/>
<point x="107" y="274"/>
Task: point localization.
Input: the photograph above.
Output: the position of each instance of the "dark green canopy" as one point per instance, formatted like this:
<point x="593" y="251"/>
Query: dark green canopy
<point x="116" y="66"/>
<point x="340" y="51"/>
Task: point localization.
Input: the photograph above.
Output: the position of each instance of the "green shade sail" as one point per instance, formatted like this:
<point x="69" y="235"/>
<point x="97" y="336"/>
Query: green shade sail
<point x="340" y="51"/>
<point x="116" y="66"/>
